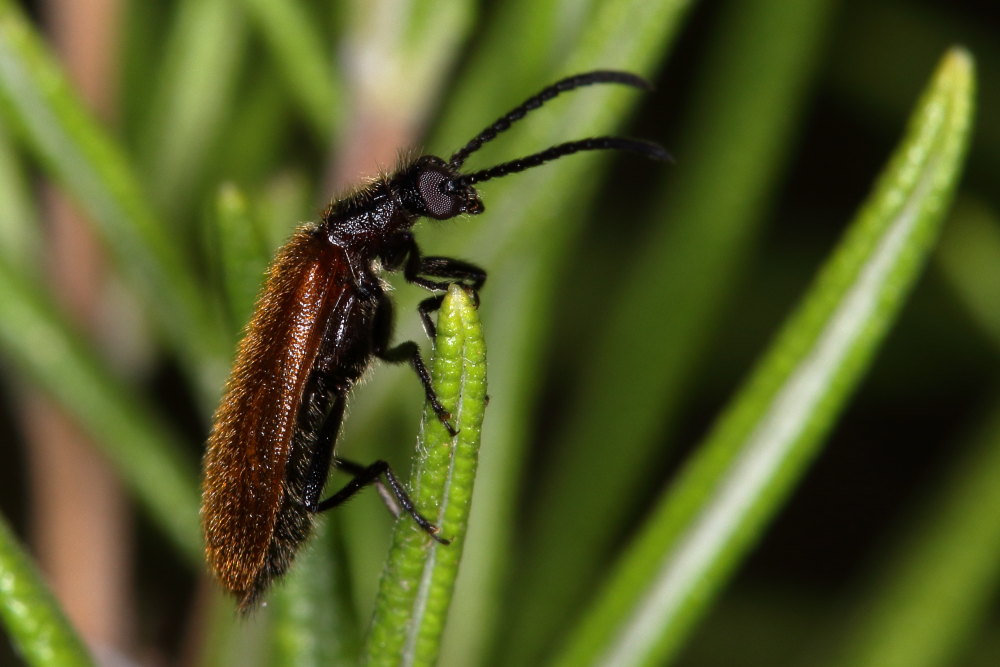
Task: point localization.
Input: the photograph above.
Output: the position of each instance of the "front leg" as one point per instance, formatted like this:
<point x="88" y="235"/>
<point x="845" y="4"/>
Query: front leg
<point x="418" y="267"/>
<point x="453" y="270"/>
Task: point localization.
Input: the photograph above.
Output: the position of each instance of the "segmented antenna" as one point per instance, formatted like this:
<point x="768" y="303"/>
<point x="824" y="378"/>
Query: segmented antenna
<point x="646" y="148"/>
<point x="532" y="103"/>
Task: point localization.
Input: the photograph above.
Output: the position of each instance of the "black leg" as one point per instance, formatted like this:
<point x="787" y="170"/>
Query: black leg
<point x="365" y="475"/>
<point x="419" y="270"/>
<point x="452" y="270"/>
<point x="322" y="451"/>
<point x="403" y="353"/>
<point x="455" y="270"/>
<point x="409" y="351"/>
<point x="416" y="267"/>
<point x="430" y="305"/>
<point x="387" y="496"/>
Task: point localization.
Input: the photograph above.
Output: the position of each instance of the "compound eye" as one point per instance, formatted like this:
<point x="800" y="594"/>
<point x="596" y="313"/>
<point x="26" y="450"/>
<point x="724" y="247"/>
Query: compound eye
<point x="439" y="205"/>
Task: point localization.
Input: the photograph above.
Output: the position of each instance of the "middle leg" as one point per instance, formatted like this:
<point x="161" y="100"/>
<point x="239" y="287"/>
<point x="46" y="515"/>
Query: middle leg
<point x="406" y="352"/>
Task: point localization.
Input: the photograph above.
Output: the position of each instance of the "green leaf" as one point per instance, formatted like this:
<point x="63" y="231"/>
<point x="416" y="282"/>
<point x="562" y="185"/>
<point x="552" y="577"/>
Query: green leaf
<point x="305" y="61"/>
<point x="241" y="249"/>
<point x="35" y="624"/>
<point x="313" y="616"/>
<point x="937" y="588"/>
<point x="933" y="591"/>
<point x="690" y="259"/>
<point x="20" y="231"/>
<point x="35" y="95"/>
<point x="419" y="577"/>
<point x="148" y="455"/>
<point x="763" y="442"/>
<point x="196" y="88"/>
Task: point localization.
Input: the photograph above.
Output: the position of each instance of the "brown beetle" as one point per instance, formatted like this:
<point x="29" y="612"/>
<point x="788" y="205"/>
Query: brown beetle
<point x="321" y="316"/>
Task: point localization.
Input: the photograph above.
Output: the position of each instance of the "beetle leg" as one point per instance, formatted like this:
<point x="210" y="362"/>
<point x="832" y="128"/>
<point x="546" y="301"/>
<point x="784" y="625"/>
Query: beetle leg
<point x="322" y="453"/>
<point x="322" y="457"/>
<point x="418" y="270"/>
<point x="365" y="475"/>
<point x="425" y="308"/>
<point x="406" y="352"/>
<point x="392" y="493"/>
<point x="452" y="270"/>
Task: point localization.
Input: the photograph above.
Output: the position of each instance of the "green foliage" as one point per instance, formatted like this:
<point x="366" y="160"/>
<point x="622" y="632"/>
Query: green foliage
<point x="32" y="617"/>
<point x="621" y="311"/>
<point x="419" y="577"/>
<point x="761" y="444"/>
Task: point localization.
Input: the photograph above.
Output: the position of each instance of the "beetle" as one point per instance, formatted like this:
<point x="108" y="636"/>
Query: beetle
<point x="322" y="315"/>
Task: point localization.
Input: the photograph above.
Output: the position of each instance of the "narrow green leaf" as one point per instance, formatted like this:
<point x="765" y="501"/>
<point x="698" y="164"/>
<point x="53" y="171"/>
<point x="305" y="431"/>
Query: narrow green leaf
<point x="763" y="442"/>
<point x="147" y="454"/>
<point x="690" y="261"/>
<point x="305" y="61"/>
<point x="523" y="239"/>
<point x="313" y="618"/>
<point x="970" y="260"/>
<point x="196" y="89"/>
<point x="257" y="137"/>
<point x="20" y="231"/>
<point x="36" y="96"/>
<point x="36" y="625"/>
<point x="936" y="589"/>
<point x="419" y="577"/>
<point x="242" y="252"/>
<point x="139" y="54"/>
<point x="933" y="591"/>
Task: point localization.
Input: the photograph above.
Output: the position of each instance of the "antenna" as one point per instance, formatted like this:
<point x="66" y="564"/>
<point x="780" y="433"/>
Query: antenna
<point x="649" y="149"/>
<point x="532" y="103"/>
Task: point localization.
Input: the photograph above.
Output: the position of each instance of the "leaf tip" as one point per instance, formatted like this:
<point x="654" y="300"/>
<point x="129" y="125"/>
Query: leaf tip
<point x="958" y="64"/>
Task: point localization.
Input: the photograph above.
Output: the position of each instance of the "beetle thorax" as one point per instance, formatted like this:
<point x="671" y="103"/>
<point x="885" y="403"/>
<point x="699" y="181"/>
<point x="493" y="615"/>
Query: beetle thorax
<point x="374" y="213"/>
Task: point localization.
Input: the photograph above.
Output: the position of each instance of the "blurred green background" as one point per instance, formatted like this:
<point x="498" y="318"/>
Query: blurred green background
<point x="626" y="303"/>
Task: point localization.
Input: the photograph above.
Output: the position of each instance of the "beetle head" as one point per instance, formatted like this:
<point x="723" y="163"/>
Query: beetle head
<point x="431" y="187"/>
